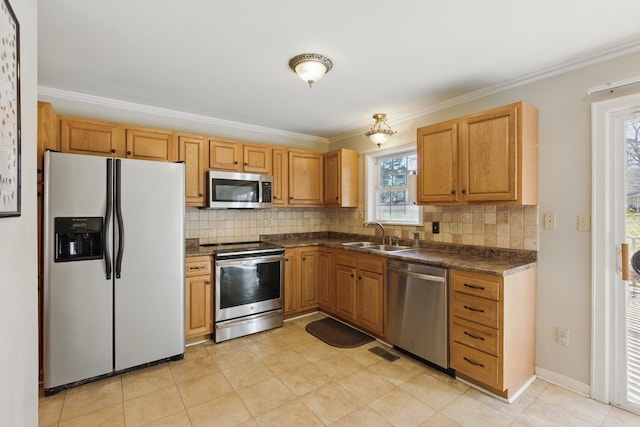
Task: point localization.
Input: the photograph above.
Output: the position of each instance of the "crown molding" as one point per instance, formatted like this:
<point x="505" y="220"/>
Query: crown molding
<point x="595" y="57"/>
<point x="164" y="112"/>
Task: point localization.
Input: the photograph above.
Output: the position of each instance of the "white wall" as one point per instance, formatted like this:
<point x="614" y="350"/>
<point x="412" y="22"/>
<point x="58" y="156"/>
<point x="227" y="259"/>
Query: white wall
<point x="18" y="261"/>
<point x="564" y="268"/>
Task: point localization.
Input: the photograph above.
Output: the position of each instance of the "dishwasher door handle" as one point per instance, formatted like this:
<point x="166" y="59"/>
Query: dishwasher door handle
<point x="419" y="275"/>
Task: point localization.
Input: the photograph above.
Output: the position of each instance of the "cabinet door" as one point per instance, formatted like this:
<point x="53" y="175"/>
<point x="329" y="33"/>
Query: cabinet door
<point x="151" y="144"/>
<point x="305" y="178"/>
<point x="225" y="155"/>
<point x="325" y="284"/>
<point x="488" y="156"/>
<point x="198" y="296"/>
<point x="346" y="301"/>
<point x="257" y="159"/>
<point x="341" y="178"/>
<point x="280" y="176"/>
<point x="371" y="301"/>
<point x="309" y="279"/>
<point x="332" y="179"/>
<point x="291" y="281"/>
<point x="192" y="153"/>
<point x="91" y="137"/>
<point x="438" y="163"/>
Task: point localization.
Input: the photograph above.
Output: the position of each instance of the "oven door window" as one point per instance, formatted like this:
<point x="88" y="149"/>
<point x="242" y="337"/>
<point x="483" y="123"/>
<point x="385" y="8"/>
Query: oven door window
<point x="248" y="283"/>
<point x="229" y="190"/>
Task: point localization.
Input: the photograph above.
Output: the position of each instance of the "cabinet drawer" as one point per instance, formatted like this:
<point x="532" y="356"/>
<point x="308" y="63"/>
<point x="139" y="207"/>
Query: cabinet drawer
<point x="198" y="266"/>
<point x="477" y="310"/>
<point x="476" y="364"/>
<point x="371" y="263"/>
<point x="480" y="285"/>
<point x="477" y="336"/>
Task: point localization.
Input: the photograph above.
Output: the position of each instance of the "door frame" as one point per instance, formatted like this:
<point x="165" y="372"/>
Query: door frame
<point x="605" y="257"/>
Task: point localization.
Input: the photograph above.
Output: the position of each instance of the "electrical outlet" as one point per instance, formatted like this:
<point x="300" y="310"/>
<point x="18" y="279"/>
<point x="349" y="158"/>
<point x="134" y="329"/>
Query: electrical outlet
<point x="456" y="228"/>
<point x="584" y="223"/>
<point x="549" y="221"/>
<point x="435" y="227"/>
<point x="562" y="336"/>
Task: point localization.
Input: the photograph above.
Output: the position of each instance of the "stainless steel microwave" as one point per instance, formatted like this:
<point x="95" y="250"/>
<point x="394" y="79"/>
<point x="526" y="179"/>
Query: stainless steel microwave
<point x="238" y="190"/>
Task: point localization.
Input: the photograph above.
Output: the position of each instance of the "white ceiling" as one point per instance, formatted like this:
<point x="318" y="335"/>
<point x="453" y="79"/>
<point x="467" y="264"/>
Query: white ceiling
<point x="229" y="59"/>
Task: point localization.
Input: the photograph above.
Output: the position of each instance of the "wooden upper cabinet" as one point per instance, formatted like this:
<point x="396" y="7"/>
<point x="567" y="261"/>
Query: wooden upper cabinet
<point x="305" y="178"/>
<point x="47" y="134"/>
<point x="280" y="176"/>
<point x="341" y="178"/>
<point x="151" y="144"/>
<point x="238" y="157"/>
<point x="225" y="155"/>
<point x="438" y="163"/>
<point x="193" y="152"/>
<point x="92" y="137"/>
<point x="257" y="159"/>
<point x="491" y="156"/>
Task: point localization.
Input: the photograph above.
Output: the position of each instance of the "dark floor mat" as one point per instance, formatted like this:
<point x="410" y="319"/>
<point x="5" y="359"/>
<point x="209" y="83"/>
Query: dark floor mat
<point x="337" y="334"/>
<point x="384" y="353"/>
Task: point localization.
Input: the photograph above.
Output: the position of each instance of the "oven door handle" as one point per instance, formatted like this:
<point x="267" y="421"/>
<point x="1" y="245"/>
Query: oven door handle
<point x="249" y="261"/>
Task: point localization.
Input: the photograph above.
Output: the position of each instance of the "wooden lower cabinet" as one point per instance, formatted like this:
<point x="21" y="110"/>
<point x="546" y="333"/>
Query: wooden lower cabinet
<point x="198" y="298"/>
<point x="360" y="290"/>
<point x="492" y="329"/>
<point x="306" y="277"/>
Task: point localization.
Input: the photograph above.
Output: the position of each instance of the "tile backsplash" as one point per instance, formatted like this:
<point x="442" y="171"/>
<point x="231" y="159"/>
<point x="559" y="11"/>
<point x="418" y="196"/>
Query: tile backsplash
<point x="512" y="227"/>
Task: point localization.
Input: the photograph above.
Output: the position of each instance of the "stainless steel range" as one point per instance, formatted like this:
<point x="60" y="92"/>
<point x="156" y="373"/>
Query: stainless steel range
<point x="248" y="288"/>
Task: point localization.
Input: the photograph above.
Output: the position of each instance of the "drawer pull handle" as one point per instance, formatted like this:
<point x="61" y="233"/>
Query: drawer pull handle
<point x="474" y="363"/>
<point x="196" y="268"/>
<point x="480" y="288"/>
<point x="475" y="337"/>
<point x="479" y="310"/>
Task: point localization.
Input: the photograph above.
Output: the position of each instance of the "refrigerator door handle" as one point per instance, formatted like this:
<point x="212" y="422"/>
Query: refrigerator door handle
<point x="107" y="219"/>
<point x="119" y="219"/>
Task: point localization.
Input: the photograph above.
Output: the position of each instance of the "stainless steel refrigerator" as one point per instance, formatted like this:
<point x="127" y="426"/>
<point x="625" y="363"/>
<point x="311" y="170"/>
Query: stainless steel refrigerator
<point x="113" y="266"/>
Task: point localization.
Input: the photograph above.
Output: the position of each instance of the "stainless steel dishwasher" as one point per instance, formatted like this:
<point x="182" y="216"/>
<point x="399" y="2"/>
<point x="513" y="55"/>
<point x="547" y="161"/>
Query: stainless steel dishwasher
<point x="417" y="307"/>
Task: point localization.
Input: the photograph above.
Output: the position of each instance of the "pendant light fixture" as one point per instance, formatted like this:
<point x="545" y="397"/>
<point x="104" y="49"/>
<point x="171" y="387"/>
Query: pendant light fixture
<point x="380" y="132"/>
<point x="310" y="67"/>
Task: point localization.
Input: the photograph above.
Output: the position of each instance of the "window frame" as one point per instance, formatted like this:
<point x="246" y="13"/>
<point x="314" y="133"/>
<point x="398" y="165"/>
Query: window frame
<point x="371" y="177"/>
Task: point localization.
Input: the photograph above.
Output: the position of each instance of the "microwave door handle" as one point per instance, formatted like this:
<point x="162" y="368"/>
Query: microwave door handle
<point x="119" y="218"/>
<point x="107" y="219"/>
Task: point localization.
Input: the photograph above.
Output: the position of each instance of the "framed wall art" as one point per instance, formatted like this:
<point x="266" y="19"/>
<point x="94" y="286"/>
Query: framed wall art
<point x="9" y="112"/>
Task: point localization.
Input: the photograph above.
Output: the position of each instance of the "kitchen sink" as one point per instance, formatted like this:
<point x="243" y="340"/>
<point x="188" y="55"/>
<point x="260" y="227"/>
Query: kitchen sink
<point x="377" y="247"/>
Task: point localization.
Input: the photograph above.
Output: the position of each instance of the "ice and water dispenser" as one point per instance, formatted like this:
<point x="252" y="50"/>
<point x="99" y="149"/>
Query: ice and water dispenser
<point x="78" y="239"/>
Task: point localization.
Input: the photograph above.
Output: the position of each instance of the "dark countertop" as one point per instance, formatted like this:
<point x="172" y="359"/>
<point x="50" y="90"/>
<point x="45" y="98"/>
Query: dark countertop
<point x="496" y="261"/>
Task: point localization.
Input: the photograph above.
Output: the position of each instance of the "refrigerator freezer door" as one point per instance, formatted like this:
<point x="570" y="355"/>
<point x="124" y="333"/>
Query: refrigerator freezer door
<point x="149" y="294"/>
<point x="78" y="298"/>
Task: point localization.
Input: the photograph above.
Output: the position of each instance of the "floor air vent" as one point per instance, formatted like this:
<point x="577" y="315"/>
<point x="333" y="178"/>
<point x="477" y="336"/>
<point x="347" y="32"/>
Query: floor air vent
<point x="384" y="353"/>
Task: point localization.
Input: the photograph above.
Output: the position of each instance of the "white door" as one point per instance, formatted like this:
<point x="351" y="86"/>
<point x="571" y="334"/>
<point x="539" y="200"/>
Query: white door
<point x="616" y="206"/>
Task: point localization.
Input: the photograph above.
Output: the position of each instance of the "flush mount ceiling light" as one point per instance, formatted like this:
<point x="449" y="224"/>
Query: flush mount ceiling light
<point x="380" y="132"/>
<point x="310" y="67"/>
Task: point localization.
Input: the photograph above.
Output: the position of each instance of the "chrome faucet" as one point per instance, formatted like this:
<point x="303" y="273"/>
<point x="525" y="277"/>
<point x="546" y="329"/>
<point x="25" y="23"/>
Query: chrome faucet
<point x="379" y="225"/>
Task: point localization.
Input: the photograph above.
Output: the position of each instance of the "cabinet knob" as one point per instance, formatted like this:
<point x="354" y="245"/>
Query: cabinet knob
<point x="39" y="170"/>
<point x="464" y="191"/>
<point x="336" y="197"/>
<point x="207" y="282"/>
<point x="352" y="275"/>
<point x="113" y="150"/>
<point x="290" y="197"/>
<point x="453" y="192"/>
<point x="200" y="194"/>
<point x="128" y="153"/>
<point x="246" y="164"/>
<point x="359" y="277"/>
<point x="304" y="258"/>
<point x="235" y="163"/>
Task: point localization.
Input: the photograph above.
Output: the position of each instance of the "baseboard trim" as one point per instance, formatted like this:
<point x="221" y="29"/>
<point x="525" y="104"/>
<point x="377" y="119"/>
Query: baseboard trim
<point x="563" y="381"/>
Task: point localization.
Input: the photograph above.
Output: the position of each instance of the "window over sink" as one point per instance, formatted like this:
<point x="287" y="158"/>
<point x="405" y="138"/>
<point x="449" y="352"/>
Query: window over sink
<point x="387" y="186"/>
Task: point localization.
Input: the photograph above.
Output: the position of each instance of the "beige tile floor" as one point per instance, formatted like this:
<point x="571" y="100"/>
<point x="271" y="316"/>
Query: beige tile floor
<point x="286" y="377"/>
